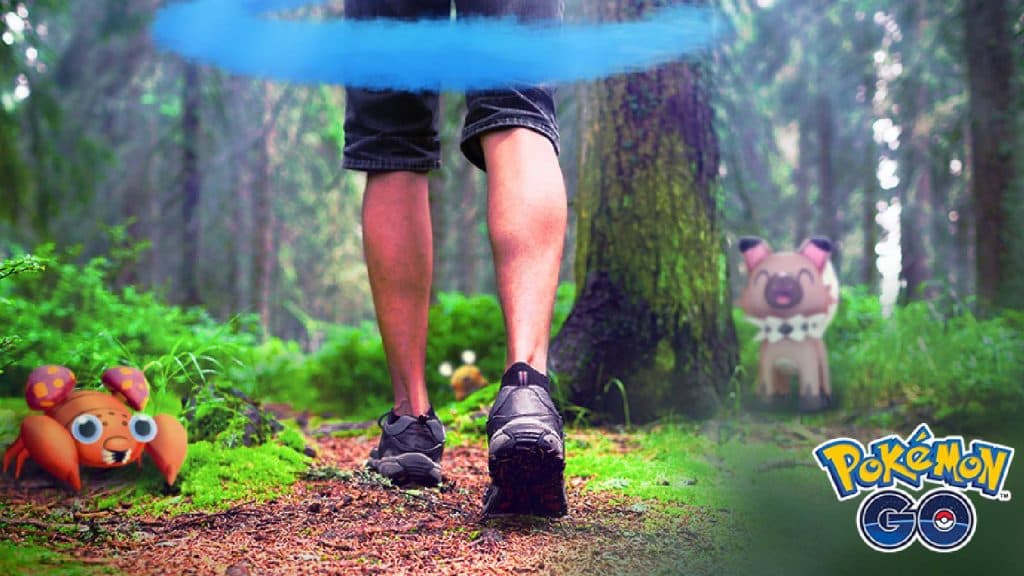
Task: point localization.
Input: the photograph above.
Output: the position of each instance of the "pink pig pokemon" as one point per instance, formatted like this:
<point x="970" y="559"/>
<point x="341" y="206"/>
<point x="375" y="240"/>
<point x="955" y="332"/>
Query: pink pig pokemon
<point x="791" y="297"/>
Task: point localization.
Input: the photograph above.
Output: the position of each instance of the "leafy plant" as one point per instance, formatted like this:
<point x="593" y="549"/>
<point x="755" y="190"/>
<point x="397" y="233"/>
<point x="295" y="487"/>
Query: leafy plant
<point x="69" y="316"/>
<point x="11" y="267"/>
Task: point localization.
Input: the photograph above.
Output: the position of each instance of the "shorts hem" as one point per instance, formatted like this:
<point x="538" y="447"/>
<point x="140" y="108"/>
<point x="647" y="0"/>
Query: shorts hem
<point x="387" y="166"/>
<point x="472" y="133"/>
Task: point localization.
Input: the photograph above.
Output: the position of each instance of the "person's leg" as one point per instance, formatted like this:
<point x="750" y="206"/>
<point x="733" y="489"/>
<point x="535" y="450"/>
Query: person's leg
<point x="399" y="262"/>
<point x="392" y="136"/>
<point x="513" y="134"/>
<point x="526" y="217"/>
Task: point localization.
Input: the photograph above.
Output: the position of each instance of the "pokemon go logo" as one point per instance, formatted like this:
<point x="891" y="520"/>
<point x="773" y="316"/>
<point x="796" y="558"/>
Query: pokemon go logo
<point x="889" y="519"/>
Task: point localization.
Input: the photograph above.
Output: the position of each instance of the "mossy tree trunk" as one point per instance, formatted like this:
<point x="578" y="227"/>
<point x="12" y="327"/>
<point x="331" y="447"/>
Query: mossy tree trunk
<point x="652" y="309"/>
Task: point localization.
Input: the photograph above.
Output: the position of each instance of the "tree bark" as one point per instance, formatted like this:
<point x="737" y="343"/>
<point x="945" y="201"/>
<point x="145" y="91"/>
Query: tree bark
<point x="803" y="192"/>
<point x="918" y="247"/>
<point x="244" y="212"/>
<point x="468" y="233"/>
<point x="191" y="183"/>
<point x="869" y="229"/>
<point x="831" y="222"/>
<point x="652" y="310"/>
<point x="916" y="240"/>
<point x="990" y="76"/>
<point x="265" y="221"/>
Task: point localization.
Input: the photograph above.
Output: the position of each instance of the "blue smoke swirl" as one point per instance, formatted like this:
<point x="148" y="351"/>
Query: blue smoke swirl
<point x="240" y="36"/>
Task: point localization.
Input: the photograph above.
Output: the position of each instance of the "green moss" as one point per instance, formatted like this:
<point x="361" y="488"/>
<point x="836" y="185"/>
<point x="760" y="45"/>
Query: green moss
<point x="292" y="438"/>
<point x="668" y="463"/>
<point x="25" y="559"/>
<point x="665" y="356"/>
<point x="215" y="477"/>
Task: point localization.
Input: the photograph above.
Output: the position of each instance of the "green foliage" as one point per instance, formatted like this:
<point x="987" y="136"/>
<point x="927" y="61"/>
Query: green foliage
<point x="458" y="323"/>
<point x="69" y="316"/>
<point x="218" y="415"/>
<point x="274" y="371"/>
<point x="292" y="438"/>
<point x="350" y="371"/>
<point x="932" y="361"/>
<point x="955" y="370"/>
<point x="11" y="267"/>
<point x="12" y="410"/>
<point x="20" y="264"/>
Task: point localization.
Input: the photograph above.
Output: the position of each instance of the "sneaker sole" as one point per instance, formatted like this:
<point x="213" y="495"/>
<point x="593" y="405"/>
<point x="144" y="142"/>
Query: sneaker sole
<point x="408" y="468"/>
<point x="527" y="463"/>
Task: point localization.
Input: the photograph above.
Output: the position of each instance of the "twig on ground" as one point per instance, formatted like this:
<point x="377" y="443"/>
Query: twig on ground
<point x="202" y="518"/>
<point x="43" y="524"/>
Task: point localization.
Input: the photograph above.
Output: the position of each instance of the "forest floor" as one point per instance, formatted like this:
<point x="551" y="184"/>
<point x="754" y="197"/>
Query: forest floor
<point x="344" y="520"/>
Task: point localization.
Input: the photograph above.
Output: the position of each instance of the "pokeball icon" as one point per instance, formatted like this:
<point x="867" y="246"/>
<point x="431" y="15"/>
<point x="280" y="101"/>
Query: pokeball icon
<point x="944" y="519"/>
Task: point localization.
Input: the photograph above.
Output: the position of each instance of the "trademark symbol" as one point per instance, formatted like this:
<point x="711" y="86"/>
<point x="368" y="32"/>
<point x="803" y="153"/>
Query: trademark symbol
<point x="1004" y="496"/>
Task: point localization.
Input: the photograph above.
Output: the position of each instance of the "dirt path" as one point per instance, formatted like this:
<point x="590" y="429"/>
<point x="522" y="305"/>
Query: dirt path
<point x="354" y="525"/>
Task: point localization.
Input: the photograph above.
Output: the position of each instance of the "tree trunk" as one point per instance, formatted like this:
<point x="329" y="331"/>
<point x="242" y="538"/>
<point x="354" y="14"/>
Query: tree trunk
<point x="831" y="224"/>
<point x="917" y="245"/>
<point x="155" y="202"/>
<point x="468" y="233"/>
<point x="265" y="221"/>
<point x="869" y="229"/>
<point x="438" y="233"/>
<point x="191" y="182"/>
<point x="445" y="196"/>
<point x="244" y="212"/>
<point x="568" y="109"/>
<point x="990" y="76"/>
<point x="652" y="310"/>
<point x="803" y="192"/>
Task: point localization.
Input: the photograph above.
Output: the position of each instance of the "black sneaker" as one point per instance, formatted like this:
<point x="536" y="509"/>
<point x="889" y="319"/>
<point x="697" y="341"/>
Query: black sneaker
<point x="526" y="455"/>
<point x="410" y="449"/>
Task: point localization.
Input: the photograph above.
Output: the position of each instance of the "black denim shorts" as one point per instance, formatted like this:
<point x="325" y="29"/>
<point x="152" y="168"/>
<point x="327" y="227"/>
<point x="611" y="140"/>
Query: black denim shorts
<point x="387" y="130"/>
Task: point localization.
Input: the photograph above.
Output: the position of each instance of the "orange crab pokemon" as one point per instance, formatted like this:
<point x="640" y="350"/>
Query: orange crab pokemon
<point x="93" y="428"/>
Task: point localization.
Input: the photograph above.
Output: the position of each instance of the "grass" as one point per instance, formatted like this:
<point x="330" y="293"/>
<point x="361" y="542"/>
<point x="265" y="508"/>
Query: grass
<point x="29" y="559"/>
